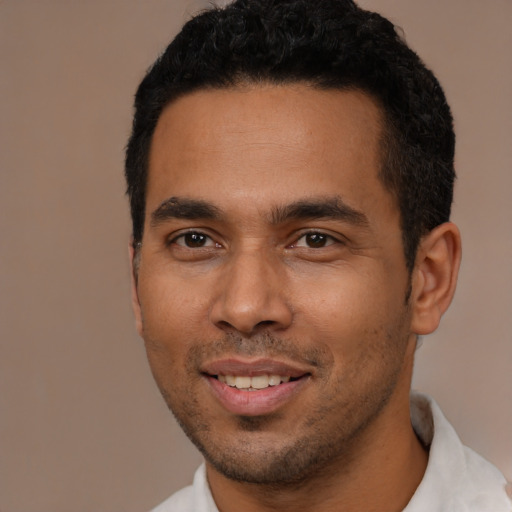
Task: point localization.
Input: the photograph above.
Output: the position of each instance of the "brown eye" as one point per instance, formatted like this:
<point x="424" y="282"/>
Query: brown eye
<point x="194" y="240"/>
<point x="316" y="240"/>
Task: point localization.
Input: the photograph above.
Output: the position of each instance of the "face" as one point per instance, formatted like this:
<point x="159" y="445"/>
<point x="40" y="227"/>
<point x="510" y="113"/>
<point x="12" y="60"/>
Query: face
<point x="271" y="282"/>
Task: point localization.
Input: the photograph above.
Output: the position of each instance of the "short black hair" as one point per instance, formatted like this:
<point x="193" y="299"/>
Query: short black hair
<point x="328" y="44"/>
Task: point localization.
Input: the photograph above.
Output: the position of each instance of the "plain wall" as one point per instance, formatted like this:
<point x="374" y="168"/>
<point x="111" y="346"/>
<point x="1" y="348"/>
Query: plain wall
<point x="82" y="426"/>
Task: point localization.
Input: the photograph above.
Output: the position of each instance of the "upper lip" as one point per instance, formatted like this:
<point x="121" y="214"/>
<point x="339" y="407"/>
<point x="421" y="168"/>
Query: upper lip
<point x="251" y="368"/>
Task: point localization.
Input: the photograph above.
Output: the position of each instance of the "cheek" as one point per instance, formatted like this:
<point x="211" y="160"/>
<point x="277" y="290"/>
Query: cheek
<point x="171" y="306"/>
<point x="168" y="325"/>
<point x="345" y="300"/>
<point x="361" y="316"/>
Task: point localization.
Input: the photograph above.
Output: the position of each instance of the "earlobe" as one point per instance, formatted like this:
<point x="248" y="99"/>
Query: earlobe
<point x="435" y="277"/>
<point x="135" y="295"/>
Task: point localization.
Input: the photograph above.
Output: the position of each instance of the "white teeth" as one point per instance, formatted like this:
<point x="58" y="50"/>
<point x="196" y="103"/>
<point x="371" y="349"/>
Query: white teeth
<point x="259" y="382"/>
<point x="242" y="382"/>
<point x="274" y="380"/>
<point x="253" y="383"/>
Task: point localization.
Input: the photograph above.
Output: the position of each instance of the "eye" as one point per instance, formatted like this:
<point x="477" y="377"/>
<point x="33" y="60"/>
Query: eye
<point x="315" y="240"/>
<point x="194" y="240"/>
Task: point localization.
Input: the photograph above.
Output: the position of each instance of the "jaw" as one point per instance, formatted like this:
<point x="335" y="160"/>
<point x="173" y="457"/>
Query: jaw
<point x="382" y="459"/>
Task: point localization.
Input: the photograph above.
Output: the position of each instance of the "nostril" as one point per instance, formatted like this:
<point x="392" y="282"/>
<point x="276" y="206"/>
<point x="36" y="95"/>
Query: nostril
<point x="260" y="326"/>
<point x="225" y="325"/>
<point x="265" y="323"/>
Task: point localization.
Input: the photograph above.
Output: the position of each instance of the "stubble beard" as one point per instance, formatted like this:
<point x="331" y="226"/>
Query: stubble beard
<point x="314" y="449"/>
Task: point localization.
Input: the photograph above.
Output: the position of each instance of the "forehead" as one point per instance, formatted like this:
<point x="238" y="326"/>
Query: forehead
<point x="267" y="143"/>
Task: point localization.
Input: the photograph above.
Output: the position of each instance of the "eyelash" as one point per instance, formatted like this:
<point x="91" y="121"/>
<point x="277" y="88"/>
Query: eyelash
<point x="326" y="240"/>
<point x="182" y="236"/>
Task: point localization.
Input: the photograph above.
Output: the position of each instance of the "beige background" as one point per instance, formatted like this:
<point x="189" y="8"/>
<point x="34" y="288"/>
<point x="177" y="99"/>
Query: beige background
<point x="82" y="427"/>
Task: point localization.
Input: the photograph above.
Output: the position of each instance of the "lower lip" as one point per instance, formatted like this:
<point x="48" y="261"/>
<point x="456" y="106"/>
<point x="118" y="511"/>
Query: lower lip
<point x="255" y="403"/>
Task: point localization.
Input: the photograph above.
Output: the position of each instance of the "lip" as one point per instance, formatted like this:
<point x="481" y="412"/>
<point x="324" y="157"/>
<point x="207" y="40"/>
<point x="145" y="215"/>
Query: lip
<point x="254" y="403"/>
<point x="251" y="368"/>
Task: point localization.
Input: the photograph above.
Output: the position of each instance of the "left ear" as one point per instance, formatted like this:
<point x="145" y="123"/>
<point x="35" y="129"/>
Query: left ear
<point x="434" y="277"/>
<point x="135" y="295"/>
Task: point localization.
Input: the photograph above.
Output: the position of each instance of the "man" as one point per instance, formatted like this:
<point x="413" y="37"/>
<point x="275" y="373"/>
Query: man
<point x="290" y="174"/>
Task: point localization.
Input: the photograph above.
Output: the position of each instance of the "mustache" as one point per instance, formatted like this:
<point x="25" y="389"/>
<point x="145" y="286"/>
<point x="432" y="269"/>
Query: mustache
<point x="264" y="345"/>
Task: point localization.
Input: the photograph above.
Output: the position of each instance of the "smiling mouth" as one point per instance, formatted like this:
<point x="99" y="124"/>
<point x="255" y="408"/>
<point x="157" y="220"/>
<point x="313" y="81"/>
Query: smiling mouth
<point x="254" y="388"/>
<point x="255" y="383"/>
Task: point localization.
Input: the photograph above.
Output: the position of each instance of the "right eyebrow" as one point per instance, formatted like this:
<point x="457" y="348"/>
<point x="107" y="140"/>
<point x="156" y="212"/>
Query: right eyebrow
<point x="183" y="208"/>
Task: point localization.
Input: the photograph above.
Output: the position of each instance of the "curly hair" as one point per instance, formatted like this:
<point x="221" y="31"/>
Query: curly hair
<point x="328" y="44"/>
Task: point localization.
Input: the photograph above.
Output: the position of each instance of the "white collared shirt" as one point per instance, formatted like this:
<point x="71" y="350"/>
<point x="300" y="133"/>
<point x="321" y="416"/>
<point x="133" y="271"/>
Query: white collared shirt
<point x="456" y="480"/>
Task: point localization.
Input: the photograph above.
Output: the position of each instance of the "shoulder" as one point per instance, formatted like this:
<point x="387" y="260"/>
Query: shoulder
<point x="485" y="484"/>
<point x="457" y="479"/>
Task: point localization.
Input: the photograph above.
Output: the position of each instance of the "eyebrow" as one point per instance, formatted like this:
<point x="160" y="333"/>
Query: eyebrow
<point x="319" y="208"/>
<point x="313" y="208"/>
<point x="183" y="208"/>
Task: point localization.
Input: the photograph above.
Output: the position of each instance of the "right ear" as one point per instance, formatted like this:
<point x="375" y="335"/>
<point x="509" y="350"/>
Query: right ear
<point x="135" y="294"/>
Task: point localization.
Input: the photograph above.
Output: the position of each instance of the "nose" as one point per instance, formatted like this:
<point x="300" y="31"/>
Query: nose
<point x="252" y="295"/>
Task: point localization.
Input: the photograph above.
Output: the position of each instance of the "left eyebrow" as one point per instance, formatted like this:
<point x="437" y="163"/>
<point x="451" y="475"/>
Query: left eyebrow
<point x="183" y="208"/>
<point x="319" y="208"/>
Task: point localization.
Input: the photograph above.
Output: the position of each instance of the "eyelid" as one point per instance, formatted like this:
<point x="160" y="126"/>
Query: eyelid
<point x="334" y="238"/>
<point x="173" y="237"/>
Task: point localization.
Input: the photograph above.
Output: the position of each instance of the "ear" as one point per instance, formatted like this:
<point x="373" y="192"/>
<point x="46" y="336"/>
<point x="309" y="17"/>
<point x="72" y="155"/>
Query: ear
<point x="435" y="277"/>
<point x="135" y="295"/>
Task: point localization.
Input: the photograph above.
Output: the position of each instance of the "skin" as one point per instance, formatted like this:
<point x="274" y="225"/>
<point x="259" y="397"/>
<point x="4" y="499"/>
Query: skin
<point x="264" y="280"/>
